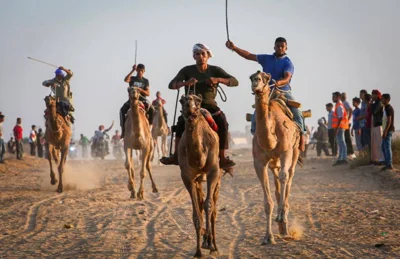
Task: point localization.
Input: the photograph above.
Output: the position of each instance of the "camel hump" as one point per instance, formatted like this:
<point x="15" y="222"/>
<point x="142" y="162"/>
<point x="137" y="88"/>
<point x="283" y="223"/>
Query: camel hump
<point x="209" y="118"/>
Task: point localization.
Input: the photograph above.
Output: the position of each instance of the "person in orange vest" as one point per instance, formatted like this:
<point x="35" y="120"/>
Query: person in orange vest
<point x="340" y="122"/>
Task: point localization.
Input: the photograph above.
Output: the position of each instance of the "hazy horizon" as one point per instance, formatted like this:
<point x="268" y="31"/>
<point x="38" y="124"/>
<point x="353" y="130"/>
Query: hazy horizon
<point x="334" y="45"/>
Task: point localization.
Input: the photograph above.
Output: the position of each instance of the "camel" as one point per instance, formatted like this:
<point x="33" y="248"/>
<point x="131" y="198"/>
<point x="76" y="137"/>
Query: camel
<point x="198" y="156"/>
<point x="58" y="136"/>
<point x="138" y="137"/>
<point x="275" y="146"/>
<point x="160" y="129"/>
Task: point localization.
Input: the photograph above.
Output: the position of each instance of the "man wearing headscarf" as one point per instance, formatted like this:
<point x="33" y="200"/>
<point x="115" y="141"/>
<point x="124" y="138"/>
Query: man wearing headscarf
<point x="322" y="138"/>
<point x="60" y="86"/>
<point x="376" y="128"/>
<point x="207" y="78"/>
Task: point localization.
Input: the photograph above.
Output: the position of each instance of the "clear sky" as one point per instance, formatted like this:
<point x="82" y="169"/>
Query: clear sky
<point x="335" y="45"/>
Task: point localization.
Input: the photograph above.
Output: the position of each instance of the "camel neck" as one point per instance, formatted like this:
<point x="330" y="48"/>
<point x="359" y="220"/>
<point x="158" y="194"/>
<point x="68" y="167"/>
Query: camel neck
<point x="264" y="126"/>
<point x="135" y="116"/>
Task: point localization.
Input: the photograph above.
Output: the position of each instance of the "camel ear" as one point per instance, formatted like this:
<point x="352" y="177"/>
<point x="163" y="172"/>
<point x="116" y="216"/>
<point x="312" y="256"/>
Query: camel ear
<point x="266" y="77"/>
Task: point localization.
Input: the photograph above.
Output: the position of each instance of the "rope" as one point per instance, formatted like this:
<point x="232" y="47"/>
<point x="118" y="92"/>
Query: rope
<point x="173" y="124"/>
<point x="226" y="19"/>
<point x="223" y="98"/>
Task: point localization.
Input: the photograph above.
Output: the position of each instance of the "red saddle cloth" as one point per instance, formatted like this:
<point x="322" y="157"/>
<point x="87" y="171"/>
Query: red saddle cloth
<point x="207" y="115"/>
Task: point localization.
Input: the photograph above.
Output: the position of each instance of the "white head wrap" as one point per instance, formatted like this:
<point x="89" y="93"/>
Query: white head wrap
<point x="202" y="47"/>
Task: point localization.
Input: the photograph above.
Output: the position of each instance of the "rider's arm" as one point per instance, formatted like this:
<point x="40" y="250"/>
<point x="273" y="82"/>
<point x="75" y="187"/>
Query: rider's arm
<point x="146" y="90"/>
<point x="48" y="83"/>
<point x="107" y="130"/>
<point x="224" y="78"/>
<point x="68" y="71"/>
<point x="287" y="74"/>
<point x="178" y="80"/>
<point x="245" y="54"/>
<point x="128" y="76"/>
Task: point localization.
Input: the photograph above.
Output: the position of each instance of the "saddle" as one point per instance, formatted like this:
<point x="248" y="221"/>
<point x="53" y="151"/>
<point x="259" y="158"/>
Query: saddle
<point x="63" y="109"/>
<point x="209" y="118"/>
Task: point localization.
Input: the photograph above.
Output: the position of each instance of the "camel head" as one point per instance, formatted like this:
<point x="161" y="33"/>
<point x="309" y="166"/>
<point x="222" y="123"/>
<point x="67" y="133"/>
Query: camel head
<point x="259" y="82"/>
<point x="134" y="94"/>
<point x="191" y="107"/>
<point x="50" y="101"/>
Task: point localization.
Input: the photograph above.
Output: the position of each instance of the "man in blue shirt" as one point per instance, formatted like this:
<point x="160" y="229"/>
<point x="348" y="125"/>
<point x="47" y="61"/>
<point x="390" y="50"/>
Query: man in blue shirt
<point x="281" y="69"/>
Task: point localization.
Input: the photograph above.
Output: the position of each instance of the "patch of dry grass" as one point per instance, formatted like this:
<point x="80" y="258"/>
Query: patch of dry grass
<point x="396" y="150"/>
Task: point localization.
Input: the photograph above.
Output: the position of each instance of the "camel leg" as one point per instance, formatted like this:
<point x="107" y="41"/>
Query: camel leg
<point x="64" y="153"/>
<point x="145" y="155"/>
<point x="275" y="167"/>
<point x="287" y="192"/>
<point x="286" y="160"/>
<point x="148" y="167"/>
<point x="164" y="145"/>
<point x="131" y="173"/>
<point x="158" y="150"/>
<point x="214" y="216"/>
<point x="197" y="214"/>
<point x="262" y="173"/>
<point x="56" y="155"/>
<point x="50" y="150"/>
<point x="209" y="206"/>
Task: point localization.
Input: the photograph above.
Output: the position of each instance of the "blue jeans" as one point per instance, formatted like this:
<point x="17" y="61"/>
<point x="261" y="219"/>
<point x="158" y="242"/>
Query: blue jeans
<point x="387" y="148"/>
<point x="341" y="144"/>
<point x="2" y="149"/>
<point x="297" y="116"/>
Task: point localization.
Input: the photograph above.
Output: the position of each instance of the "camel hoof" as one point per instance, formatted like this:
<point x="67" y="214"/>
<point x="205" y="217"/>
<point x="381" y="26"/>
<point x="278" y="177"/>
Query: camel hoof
<point x="214" y="252"/>
<point x="130" y="187"/>
<point x="59" y="189"/>
<point x="268" y="241"/>
<point x="205" y="245"/>
<point x="288" y="238"/>
<point x="53" y="181"/>
<point x="155" y="190"/>
<point x="133" y="195"/>
<point x="198" y="254"/>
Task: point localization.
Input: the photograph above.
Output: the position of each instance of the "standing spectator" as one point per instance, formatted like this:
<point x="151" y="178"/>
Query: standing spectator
<point x="347" y="137"/>
<point x="2" y="146"/>
<point x="362" y="116"/>
<point x="376" y="130"/>
<point x="340" y="124"/>
<point x="388" y="129"/>
<point x="11" y="146"/>
<point x="39" y="143"/>
<point x="307" y="142"/>
<point x="331" y="131"/>
<point x="84" y="142"/>
<point x="322" y="138"/>
<point x="356" y="130"/>
<point x="18" y="139"/>
<point x="32" y="140"/>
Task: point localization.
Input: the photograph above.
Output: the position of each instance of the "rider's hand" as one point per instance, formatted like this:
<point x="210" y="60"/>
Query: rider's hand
<point x="61" y="67"/>
<point x="192" y="81"/>
<point x="229" y="44"/>
<point x="212" y="81"/>
<point x="134" y="67"/>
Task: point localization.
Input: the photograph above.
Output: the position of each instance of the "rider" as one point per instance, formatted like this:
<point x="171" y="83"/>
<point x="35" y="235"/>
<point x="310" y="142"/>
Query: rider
<point x="142" y="84"/>
<point x="60" y="86"/>
<point x="98" y="134"/>
<point x="207" y="78"/>
<point x="158" y="98"/>
<point x="281" y="69"/>
<point x="116" y="139"/>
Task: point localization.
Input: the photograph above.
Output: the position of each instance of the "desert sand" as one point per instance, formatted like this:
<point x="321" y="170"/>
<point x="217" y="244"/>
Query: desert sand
<point x="335" y="213"/>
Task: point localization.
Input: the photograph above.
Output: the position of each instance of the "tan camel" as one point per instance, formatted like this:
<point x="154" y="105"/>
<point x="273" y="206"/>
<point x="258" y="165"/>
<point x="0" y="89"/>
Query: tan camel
<point x="58" y="136"/>
<point x="275" y="146"/>
<point x="160" y="129"/>
<point x="198" y="156"/>
<point x="138" y="137"/>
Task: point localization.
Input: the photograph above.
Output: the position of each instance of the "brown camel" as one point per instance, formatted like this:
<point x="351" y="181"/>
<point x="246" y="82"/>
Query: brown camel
<point x="138" y="137"/>
<point x="58" y="136"/>
<point x="198" y="156"/>
<point x="160" y="129"/>
<point x="275" y="146"/>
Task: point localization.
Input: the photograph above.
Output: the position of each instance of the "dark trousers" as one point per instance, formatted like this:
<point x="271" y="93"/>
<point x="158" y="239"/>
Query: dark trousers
<point x="349" y="144"/>
<point x="40" y="150"/>
<point x="127" y="105"/>
<point x="322" y="146"/>
<point x="221" y="122"/>
<point x="332" y="141"/>
<point x="19" y="148"/>
<point x="33" y="149"/>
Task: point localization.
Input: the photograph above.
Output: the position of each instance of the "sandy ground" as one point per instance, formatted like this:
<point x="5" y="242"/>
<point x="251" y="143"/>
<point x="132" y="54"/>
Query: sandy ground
<point x="340" y="213"/>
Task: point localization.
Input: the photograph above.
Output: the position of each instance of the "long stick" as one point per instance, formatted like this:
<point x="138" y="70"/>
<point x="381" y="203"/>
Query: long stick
<point x="226" y="19"/>
<point x="37" y="60"/>
<point x="135" y="50"/>
<point x="173" y="124"/>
